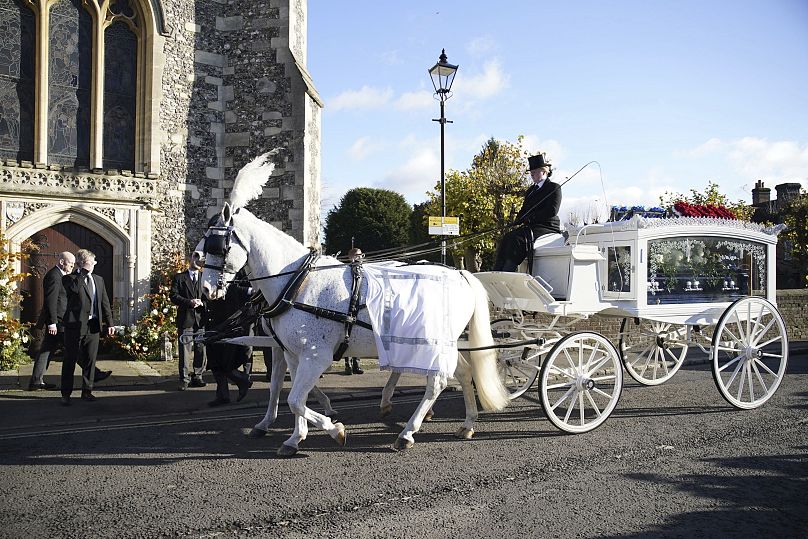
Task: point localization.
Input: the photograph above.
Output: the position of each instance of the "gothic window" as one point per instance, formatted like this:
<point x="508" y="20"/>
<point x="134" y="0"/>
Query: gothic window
<point x="16" y="81"/>
<point x="120" y="82"/>
<point x="69" y="84"/>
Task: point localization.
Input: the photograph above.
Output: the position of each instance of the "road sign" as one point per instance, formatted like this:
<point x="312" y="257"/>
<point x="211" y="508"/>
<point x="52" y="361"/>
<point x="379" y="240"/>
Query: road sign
<point x="449" y="227"/>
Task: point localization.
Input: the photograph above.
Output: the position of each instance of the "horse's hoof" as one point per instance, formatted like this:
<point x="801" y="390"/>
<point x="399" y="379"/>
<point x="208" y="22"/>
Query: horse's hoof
<point x="385" y="410"/>
<point x="402" y="444"/>
<point x="341" y="436"/>
<point x="287" y="451"/>
<point x="464" y="434"/>
<point x="257" y="433"/>
<point x="429" y="414"/>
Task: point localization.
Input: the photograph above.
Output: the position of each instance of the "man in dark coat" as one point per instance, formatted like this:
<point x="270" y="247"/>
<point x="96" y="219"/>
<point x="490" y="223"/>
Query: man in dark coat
<point x="50" y="322"/>
<point x="87" y="312"/>
<point x="538" y="216"/>
<point x="186" y="294"/>
<point x="224" y="360"/>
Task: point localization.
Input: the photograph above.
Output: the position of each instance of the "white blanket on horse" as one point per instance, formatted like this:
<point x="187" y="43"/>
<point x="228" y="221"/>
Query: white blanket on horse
<point x="410" y="308"/>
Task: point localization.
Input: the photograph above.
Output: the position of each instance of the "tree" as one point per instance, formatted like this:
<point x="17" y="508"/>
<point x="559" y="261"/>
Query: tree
<point x="710" y="196"/>
<point x="371" y="219"/>
<point x="795" y="237"/>
<point x="486" y="197"/>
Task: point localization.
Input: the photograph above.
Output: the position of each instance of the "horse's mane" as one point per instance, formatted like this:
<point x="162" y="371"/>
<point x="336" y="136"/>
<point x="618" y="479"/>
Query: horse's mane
<point x="250" y="179"/>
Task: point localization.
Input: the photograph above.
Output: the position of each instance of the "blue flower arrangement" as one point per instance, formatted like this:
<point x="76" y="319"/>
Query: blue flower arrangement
<point x="621" y="213"/>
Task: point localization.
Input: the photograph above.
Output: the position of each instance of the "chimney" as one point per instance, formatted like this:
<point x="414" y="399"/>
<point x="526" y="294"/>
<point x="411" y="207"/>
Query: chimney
<point x="761" y="195"/>
<point x="787" y="192"/>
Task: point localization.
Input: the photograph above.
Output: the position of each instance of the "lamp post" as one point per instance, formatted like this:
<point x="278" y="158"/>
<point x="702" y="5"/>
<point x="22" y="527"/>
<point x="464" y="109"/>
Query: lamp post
<point x="443" y="74"/>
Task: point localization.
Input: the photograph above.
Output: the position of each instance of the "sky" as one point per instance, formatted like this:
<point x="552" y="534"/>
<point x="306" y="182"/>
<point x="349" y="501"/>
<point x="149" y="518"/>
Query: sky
<point x="664" y="96"/>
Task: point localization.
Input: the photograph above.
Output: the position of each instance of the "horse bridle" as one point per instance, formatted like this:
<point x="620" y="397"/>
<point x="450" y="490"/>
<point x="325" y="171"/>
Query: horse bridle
<point x="217" y="243"/>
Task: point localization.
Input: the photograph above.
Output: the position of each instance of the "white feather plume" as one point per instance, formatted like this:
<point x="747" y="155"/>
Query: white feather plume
<point x="250" y="179"/>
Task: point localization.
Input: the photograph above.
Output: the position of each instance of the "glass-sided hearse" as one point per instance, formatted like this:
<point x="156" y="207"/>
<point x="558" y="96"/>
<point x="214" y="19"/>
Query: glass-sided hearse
<point x="675" y="283"/>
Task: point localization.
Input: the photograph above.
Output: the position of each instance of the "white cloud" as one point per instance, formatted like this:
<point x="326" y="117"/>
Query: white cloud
<point x="415" y="100"/>
<point x="555" y="152"/>
<point x="415" y="176"/>
<point x="363" y="147"/>
<point x="480" y="45"/>
<point x="491" y="81"/>
<point x="367" y="97"/>
<point x="754" y="158"/>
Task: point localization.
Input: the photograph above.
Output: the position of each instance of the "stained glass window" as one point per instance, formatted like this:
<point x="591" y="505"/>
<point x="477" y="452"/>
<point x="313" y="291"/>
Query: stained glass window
<point x="70" y="62"/>
<point x="16" y="81"/>
<point x="120" y="79"/>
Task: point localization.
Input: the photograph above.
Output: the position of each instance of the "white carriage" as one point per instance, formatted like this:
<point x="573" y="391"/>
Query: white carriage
<point x="675" y="283"/>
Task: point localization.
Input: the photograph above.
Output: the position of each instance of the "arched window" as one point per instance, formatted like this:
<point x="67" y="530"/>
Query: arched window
<point x="120" y="82"/>
<point x="79" y="85"/>
<point x="16" y="81"/>
<point x="69" y="84"/>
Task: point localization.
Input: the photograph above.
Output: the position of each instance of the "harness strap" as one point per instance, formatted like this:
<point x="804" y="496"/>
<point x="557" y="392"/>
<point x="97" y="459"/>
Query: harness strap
<point x="353" y="307"/>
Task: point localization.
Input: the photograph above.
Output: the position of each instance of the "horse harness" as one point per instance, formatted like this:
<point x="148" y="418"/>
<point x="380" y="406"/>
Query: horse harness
<point x="218" y="243"/>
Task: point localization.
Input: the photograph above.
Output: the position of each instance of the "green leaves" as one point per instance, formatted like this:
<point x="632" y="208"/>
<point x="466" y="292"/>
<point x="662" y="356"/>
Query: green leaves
<point x="374" y="218"/>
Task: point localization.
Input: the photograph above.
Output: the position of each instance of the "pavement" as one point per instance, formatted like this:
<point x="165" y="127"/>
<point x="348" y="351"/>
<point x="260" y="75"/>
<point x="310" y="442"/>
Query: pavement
<point x="148" y="388"/>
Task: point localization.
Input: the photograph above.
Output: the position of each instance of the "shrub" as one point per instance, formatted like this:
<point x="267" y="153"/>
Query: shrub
<point x="14" y="335"/>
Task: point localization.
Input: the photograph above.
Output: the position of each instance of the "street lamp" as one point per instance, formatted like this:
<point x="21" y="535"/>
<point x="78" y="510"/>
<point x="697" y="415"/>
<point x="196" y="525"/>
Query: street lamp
<point x="443" y="74"/>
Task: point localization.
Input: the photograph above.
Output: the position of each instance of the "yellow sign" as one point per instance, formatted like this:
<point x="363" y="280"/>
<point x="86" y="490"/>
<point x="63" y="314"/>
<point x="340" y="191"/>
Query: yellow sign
<point x="449" y="227"/>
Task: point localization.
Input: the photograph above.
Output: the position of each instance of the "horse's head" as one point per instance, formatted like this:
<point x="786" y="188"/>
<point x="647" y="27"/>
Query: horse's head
<point x="221" y="254"/>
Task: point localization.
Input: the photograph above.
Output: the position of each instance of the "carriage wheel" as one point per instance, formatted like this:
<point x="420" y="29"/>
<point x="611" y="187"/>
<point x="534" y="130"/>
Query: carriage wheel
<point x="518" y="367"/>
<point x="580" y="382"/>
<point x="652" y="351"/>
<point x="749" y="352"/>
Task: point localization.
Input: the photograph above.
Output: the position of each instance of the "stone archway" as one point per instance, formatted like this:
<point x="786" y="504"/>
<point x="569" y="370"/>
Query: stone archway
<point x="123" y="231"/>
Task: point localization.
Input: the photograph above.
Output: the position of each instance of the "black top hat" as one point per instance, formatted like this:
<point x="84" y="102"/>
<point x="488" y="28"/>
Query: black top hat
<point x="537" y="161"/>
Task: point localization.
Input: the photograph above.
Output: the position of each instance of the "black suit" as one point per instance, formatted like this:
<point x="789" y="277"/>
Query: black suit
<point x="189" y="321"/>
<point x="53" y="309"/>
<point x="225" y="359"/>
<point x="83" y="327"/>
<point x="539" y="216"/>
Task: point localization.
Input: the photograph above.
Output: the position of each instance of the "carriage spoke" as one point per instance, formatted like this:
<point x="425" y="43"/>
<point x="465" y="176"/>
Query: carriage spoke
<point x="601" y="392"/>
<point x="672" y="355"/>
<point x="767" y="354"/>
<point x="727" y="365"/>
<point x="731" y="334"/>
<point x="749" y="382"/>
<point x="602" y="378"/>
<point x="762" y="332"/>
<point x="569" y="410"/>
<point x="597" y="367"/>
<point x="559" y="386"/>
<point x="726" y="348"/>
<point x="569" y="360"/>
<point x="558" y="370"/>
<point x="581" y="408"/>
<point x="740" y="383"/>
<point x="592" y="403"/>
<point x="775" y="339"/>
<point x="758" y="362"/>
<point x="564" y="397"/>
<point x="735" y="372"/>
<point x="759" y="377"/>
<point x="641" y="355"/>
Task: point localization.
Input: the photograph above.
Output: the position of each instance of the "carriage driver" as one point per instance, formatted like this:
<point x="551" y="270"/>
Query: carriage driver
<point x="537" y="217"/>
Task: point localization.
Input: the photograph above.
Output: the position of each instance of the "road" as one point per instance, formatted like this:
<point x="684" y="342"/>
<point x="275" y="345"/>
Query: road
<point x="671" y="461"/>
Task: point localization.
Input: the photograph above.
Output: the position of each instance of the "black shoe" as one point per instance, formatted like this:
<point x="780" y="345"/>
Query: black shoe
<point x="101" y="375"/>
<point x="183" y="386"/>
<point x="242" y="391"/>
<point x="347" y="369"/>
<point x="87" y="396"/>
<point x="355" y="367"/>
<point x="65" y="400"/>
<point x="198" y="382"/>
<point x="33" y="386"/>
<point x="218" y="402"/>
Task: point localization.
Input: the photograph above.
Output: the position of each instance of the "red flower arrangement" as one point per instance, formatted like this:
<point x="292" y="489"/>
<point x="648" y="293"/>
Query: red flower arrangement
<point x="685" y="209"/>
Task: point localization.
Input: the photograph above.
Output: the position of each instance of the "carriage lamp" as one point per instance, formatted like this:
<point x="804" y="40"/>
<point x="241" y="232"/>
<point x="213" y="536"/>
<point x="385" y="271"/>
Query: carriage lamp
<point x="443" y="74"/>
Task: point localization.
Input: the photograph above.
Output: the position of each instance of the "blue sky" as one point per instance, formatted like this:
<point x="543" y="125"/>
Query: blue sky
<point x="663" y="95"/>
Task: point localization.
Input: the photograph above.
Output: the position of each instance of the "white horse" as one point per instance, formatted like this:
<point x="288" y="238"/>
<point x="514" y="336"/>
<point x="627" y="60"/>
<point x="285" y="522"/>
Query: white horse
<point x="240" y="239"/>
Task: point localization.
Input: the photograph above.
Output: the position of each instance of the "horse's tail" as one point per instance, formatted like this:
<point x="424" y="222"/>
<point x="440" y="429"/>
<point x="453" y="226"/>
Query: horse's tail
<point x="491" y="391"/>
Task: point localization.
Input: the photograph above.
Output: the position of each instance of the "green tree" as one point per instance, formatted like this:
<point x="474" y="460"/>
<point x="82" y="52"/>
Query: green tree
<point x="485" y="197"/>
<point x="711" y="195"/>
<point x="374" y="218"/>
<point x="795" y="237"/>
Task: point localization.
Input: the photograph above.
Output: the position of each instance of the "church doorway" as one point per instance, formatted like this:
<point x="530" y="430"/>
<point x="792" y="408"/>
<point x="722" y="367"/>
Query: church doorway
<point x="51" y="241"/>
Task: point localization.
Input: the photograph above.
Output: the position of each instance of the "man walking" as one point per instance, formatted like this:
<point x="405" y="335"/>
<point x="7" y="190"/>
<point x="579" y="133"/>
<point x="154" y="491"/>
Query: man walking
<point x="50" y="322"/>
<point x="186" y="294"/>
<point x="87" y="311"/>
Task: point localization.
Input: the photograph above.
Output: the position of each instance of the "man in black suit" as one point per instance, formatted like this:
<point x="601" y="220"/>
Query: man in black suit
<point x="87" y="311"/>
<point x="538" y="216"/>
<point x="224" y="359"/>
<point x="186" y="294"/>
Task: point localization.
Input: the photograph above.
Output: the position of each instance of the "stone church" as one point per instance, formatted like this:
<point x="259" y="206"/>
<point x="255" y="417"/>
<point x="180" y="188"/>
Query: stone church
<point x="123" y="124"/>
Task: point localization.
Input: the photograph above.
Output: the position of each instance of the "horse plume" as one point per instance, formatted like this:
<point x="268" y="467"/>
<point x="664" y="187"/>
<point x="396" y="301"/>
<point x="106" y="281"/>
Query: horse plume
<point x="250" y="179"/>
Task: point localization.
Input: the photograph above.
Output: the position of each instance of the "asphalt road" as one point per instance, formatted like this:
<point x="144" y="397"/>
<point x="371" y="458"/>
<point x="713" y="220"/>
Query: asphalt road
<point x="671" y="461"/>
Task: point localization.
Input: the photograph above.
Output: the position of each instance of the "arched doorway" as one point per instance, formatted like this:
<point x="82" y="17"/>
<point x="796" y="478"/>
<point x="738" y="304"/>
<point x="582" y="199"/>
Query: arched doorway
<point x="51" y="241"/>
